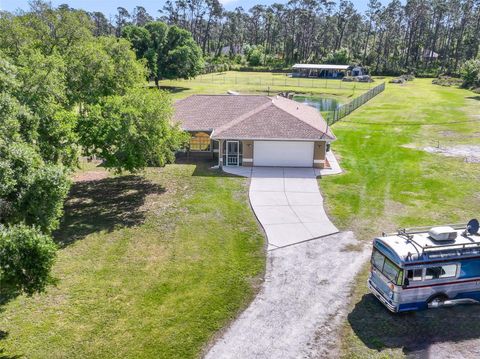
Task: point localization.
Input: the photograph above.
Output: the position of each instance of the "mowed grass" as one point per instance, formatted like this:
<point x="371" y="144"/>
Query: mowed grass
<point x="264" y="83"/>
<point x="150" y="266"/>
<point x="390" y="182"/>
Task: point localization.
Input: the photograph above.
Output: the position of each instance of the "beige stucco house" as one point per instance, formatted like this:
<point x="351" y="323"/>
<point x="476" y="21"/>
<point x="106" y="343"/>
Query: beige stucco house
<point x="251" y="130"/>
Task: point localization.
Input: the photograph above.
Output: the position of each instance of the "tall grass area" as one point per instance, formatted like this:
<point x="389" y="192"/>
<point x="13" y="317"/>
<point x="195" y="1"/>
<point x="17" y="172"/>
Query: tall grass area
<point x="391" y="182"/>
<point x="150" y="266"/>
<point x="264" y="83"/>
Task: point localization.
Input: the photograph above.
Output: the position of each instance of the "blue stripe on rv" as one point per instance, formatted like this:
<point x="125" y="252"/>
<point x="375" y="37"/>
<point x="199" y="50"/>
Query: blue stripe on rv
<point x="469" y="268"/>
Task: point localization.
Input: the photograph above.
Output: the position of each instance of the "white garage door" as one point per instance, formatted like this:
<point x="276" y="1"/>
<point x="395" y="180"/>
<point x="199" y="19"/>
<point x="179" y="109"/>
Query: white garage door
<point x="283" y="153"/>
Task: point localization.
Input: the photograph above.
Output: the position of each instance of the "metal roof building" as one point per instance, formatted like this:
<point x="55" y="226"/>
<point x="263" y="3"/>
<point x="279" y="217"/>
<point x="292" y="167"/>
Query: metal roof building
<point x="320" y="70"/>
<point x="320" y="67"/>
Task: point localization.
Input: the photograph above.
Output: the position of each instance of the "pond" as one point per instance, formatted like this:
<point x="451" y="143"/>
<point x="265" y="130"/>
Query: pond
<point x="323" y="104"/>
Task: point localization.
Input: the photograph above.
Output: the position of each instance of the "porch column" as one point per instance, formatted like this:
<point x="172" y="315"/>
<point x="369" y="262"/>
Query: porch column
<point x="319" y="154"/>
<point x="220" y="153"/>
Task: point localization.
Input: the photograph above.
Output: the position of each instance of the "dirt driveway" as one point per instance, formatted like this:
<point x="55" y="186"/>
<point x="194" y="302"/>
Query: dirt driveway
<point x="301" y="304"/>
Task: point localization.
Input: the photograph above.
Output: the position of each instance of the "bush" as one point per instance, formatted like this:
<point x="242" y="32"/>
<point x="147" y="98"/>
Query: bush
<point x="471" y="73"/>
<point x="397" y="80"/>
<point x="256" y="57"/>
<point x="26" y="258"/>
<point x="42" y="203"/>
<point x="31" y="191"/>
<point x="447" y="81"/>
<point x="408" y="77"/>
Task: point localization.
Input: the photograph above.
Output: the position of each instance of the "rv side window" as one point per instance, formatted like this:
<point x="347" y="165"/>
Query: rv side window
<point x="446" y="271"/>
<point x="414" y="275"/>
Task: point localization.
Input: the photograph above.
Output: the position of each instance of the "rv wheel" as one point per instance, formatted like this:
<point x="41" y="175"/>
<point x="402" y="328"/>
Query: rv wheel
<point x="437" y="300"/>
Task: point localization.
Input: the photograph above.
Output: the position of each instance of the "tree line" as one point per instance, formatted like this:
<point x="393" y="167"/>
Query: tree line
<point x="66" y="92"/>
<point x="422" y="36"/>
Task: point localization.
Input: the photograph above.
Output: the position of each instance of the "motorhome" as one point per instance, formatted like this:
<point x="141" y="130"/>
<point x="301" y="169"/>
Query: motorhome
<point x="420" y="268"/>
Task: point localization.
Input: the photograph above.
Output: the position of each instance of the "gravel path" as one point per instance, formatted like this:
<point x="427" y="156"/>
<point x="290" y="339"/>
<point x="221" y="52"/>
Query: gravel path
<point x="301" y="304"/>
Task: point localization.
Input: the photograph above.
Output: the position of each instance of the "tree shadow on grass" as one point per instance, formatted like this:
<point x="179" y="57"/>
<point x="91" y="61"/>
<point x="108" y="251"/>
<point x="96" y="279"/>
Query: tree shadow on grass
<point x="3" y="336"/>
<point x="203" y="166"/>
<point x="474" y="98"/>
<point x="104" y="205"/>
<point x="414" y="332"/>
<point x="174" y="89"/>
<point x="170" y="89"/>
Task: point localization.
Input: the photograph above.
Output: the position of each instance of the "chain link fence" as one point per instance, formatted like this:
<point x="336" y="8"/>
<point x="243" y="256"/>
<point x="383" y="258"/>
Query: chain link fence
<point x="348" y="108"/>
<point x="280" y="80"/>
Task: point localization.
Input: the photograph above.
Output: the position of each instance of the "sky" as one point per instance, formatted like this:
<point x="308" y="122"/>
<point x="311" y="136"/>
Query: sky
<point x="109" y="7"/>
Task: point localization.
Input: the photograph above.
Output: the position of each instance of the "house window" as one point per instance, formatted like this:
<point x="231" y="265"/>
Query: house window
<point x="200" y="141"/>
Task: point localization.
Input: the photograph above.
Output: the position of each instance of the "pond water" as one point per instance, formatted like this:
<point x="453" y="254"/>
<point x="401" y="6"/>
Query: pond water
<point x="323" y="104"/>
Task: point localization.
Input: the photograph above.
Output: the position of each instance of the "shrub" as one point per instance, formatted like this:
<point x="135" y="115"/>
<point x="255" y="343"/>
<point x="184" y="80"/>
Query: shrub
<point x="31" y="191"/>
<point x="26" y="258"/>
<point x="408" y="77"/>
<point x="42" y="203"/>
<point x="397" y="80"/>
<point x="471" y="73"/>
<point x="447" y="81"/>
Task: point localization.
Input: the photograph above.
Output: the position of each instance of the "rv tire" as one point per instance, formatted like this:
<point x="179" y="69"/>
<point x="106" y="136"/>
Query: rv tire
<point x="437" y="300"/>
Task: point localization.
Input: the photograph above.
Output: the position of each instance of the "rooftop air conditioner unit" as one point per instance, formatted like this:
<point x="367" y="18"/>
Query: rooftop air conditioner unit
<point x="443" y="233"/>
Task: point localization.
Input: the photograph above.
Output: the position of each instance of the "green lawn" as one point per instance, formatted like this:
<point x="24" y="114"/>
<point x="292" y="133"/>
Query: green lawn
<point x="391" y="182"/>
<point x="264" y="83"/>
<point x="151" y="266"/>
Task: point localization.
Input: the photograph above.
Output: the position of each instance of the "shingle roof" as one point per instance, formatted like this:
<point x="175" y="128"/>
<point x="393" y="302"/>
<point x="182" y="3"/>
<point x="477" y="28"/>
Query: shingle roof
<point x="207" y="112"/>
<point x="251" y="117"/>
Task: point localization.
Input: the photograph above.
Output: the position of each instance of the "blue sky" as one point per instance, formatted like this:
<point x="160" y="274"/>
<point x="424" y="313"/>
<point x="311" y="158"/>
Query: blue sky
<point x="108" y="7"/>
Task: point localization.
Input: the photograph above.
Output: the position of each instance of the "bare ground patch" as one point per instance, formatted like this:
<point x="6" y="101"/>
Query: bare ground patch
<point x="470" y="153"/>
<point x="90" y="176"/>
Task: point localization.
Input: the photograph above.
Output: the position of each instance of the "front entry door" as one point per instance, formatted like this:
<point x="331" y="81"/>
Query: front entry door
<point x="232" y="153"/>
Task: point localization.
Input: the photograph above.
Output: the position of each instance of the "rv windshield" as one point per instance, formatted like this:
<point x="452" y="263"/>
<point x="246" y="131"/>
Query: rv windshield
<point x="386" y="267"/>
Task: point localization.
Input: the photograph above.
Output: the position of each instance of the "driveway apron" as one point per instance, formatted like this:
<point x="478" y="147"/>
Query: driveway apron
<point x="288" y="204"/>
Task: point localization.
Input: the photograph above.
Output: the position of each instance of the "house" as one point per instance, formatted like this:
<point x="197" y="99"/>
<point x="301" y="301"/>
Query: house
<point x="429" y="55"/>
<point x="319" y="71"/>
<point x="231" y="50"/>
<point x="254" y="130"/>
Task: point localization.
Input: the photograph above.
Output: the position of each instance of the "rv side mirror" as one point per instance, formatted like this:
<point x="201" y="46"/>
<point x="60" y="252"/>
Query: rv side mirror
<point x="406" y="282"/>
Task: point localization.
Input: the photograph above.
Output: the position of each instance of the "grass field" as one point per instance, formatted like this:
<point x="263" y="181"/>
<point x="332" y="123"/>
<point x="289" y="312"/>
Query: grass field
<point x="391" y="182"/>
<point x="264" y="83"/>
<point x="150" y="266"/>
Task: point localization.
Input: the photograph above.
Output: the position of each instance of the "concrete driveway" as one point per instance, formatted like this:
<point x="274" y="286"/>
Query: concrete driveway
<point x="288" y="204"/>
